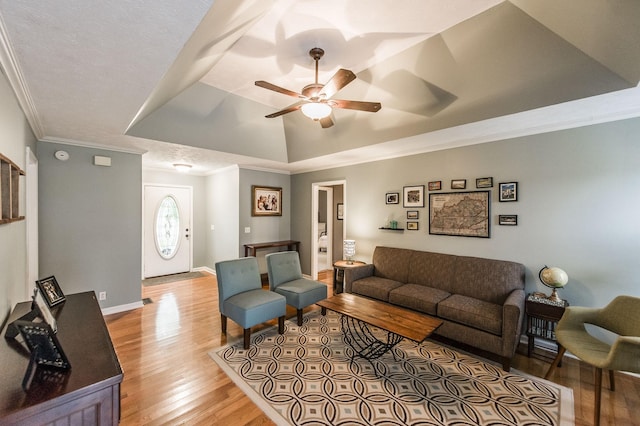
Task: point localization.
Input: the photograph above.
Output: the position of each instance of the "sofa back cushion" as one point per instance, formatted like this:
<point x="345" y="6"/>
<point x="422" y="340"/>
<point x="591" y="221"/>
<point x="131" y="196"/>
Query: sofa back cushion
<point x="431" y="269"/>
<point x="391" y="263"/>
<point x="486" y="279"/>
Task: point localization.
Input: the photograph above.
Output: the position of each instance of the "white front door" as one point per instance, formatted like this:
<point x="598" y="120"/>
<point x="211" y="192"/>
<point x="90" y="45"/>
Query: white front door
<point x="167" y="230"/>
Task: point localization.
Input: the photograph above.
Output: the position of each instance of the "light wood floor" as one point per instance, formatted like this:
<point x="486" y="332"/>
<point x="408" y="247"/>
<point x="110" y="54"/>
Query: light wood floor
<point x="170" y="379"/>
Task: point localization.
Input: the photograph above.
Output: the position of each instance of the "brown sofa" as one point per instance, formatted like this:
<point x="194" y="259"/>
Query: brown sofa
<point x="480" y="300"/>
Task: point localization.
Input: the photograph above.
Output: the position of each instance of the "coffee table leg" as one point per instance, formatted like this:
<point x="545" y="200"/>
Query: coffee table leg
<point x="363" y="342"/>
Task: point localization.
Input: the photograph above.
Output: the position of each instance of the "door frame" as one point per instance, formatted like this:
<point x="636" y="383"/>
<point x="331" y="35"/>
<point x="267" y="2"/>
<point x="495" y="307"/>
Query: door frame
<point x="190" y="188"/>
<point x="315" y="188"/>
<point x="32" y="222"/>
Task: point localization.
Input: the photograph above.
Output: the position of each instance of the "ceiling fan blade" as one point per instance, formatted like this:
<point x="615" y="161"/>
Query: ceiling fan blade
<point x="290" y="108"/>
<point x="269" y="86"/>
<point x="326" y="122"/>
<point x="358" y="105"/>
<point x="340" y="79"/>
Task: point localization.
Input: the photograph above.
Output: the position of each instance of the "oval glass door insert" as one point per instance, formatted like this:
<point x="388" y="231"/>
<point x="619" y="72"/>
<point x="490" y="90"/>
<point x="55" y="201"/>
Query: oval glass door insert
<point x="167" y="227"/>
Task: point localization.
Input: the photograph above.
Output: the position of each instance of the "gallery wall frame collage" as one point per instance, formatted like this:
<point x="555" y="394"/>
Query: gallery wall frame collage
<point x="461" y="212"/>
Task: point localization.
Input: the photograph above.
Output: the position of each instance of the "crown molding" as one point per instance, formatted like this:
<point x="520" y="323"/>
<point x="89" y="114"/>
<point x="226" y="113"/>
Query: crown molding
<point x="92" y="145"/>
<point x="11" y="68"/>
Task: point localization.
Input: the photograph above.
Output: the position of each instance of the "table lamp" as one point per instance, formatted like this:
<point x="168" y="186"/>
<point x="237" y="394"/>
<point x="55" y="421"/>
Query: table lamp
<point x="349" y="248"/>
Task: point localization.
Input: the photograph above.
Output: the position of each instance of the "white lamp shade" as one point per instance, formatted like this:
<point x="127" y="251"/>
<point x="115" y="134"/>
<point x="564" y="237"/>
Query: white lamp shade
<point x="316" y="110"/>
<point x="349" y="247"/>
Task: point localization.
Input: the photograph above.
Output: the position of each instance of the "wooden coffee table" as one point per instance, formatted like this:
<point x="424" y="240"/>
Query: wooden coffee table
<point x="358" y="313"/>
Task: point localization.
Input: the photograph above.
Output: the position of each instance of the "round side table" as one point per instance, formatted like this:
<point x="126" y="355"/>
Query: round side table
<point x="338" y="273"/>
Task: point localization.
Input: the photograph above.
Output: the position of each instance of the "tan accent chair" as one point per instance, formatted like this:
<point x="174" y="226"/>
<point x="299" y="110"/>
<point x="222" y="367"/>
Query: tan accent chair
<point x="622" y="317"/>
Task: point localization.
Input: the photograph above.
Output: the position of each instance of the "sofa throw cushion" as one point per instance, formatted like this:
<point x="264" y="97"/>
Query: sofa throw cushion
<point x="418" y="297"/>
<point x="472" y="312"/>
<point x="375" y="287"/>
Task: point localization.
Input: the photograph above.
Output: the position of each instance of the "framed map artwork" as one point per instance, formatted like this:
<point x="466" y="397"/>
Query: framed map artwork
<point x="462" y="214"/>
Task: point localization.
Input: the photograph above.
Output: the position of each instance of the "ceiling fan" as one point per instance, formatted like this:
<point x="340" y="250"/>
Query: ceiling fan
<point x="316" y="99"/>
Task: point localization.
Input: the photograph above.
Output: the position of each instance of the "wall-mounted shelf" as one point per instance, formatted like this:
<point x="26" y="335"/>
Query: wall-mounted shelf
<point x="391" y="229"/>
<point x="9" y="190"/>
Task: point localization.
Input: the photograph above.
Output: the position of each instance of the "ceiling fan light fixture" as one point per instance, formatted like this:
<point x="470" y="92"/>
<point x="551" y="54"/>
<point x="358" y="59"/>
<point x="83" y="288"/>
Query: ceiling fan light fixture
<point x="316" y="110"/>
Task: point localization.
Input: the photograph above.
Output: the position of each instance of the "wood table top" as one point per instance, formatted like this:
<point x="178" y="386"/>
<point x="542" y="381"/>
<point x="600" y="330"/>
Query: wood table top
<point x="404" y="322"/>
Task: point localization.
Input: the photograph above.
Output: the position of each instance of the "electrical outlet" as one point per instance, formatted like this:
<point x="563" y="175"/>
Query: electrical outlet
<point x="247" y="230"/>
<point x="102" y="295"/>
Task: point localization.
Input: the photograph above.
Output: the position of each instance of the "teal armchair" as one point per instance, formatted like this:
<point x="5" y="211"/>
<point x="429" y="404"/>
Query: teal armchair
<point x="241" y="297"/>
<point x="622" y="317"/>
<point x="285" y="278"/>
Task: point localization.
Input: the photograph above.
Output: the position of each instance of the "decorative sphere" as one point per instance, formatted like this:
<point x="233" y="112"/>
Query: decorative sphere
<point x="553" y="277"/>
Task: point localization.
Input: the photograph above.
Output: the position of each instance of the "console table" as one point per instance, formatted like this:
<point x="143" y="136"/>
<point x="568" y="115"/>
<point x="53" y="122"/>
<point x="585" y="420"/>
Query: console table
<point x="87" y="394"/>
<point x="251" y="249"/>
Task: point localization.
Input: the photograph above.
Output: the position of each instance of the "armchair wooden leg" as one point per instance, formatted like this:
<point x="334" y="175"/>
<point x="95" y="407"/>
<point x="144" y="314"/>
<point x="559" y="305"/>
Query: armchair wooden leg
<point x="299" y="315"/>
<point x="598" y="396"/>
<point x="247" y="337"/>
<point x="281" y="325"/>
<point x="556" y="361"/>
<point x="612" y="383"/>
<point x="223" y="323"/>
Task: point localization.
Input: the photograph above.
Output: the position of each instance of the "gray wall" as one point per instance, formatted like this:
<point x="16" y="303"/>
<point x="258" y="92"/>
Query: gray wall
<point x="199" y="226"/>
<point x="222" y="207"/>
<point x="15" y="137"/>
<point x="90" y="221"/>
<point x="577" y="209"/>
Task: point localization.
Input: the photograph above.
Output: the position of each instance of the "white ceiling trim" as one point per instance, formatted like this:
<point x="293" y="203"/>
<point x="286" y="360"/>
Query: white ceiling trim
<point x="17" y="81"/>
<point x="84" y="144"/>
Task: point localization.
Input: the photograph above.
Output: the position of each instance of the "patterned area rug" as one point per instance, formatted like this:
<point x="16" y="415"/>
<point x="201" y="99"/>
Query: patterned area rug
<point x="305" y="377"/>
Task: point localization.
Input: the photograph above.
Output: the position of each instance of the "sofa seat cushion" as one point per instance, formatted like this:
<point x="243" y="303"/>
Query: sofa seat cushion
<point x="472" y="312"/>
<point x="375" y="287"/>
<point x="418" y="297"/>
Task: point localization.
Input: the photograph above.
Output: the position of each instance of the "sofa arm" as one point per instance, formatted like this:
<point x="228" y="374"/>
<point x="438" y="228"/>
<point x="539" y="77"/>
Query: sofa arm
<point x="512" y="319"/>
<point x="356" y="273"/>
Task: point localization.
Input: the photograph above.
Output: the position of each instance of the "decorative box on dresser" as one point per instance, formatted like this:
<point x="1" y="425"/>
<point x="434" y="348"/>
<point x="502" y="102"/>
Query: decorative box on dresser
<point x="87" y="394"/>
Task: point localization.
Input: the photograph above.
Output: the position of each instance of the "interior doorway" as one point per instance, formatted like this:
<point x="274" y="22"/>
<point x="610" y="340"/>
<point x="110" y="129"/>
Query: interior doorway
<point x="327" y="229"/>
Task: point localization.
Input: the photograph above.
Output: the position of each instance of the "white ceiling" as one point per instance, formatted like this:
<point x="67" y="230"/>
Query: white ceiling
<point x="175" y="80"/>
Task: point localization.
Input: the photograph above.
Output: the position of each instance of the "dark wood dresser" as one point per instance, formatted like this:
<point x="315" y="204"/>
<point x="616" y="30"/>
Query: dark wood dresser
<point x="87" y="394"/>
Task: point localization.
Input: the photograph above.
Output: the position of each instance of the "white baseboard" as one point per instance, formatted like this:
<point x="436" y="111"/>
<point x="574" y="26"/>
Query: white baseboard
<point x="205" y="269"/>
<point x="122" y="308"/>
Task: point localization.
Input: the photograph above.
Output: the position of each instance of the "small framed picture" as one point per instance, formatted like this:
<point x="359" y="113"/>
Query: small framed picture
<point x="392" y="198"/>
<point x="486" y="182"/>
<point x="50" y="290"/>
<point x="412" y="214"/>
<point x="340" y="211"/>
<point x="266" y="201"/>
<point x="435" y="185"/>
<point x="508" y="219"/>
<point x="508" y="191"/>
<point x="413" y="196"/>
<point x="458" y="184"/>
<point x="43" y="344"/>
<point x="412" y="226"/>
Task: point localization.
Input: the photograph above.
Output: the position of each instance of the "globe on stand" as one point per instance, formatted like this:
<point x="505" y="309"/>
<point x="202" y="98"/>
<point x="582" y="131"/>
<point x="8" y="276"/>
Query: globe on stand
<point x="554" y="278"/>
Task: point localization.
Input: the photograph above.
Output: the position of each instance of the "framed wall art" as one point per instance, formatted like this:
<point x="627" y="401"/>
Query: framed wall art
<point x="50" y="291"/>
<point x="458" y="184"/>
<point x="462" y="214"/>
<point x="508" y="219"/>
<point x="508" y="191"/>
<point x="412" y="214"/>
<point x="266" y="201"/>
<point x="413" y="196"/>
<point x="412" y="226"/>
<point x="340" y="211"/>
<point x="392" y="198"/>
<point x="486" y="182"/>
<point x="435" y="185"/>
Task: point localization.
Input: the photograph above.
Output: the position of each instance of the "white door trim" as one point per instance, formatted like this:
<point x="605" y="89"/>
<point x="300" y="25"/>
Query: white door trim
<point x="315" y="188"/>
<point x="32" y="222"/>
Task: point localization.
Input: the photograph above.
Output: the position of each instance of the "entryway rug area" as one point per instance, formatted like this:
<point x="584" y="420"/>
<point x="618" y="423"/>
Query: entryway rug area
<point x="304" y="377"/>
<point x="164" y="279"/>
